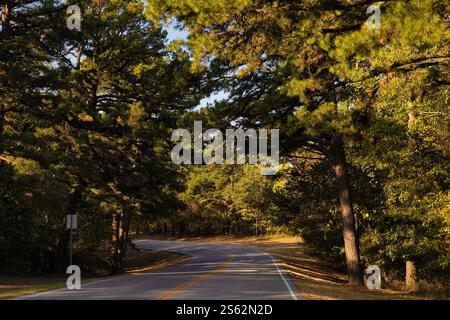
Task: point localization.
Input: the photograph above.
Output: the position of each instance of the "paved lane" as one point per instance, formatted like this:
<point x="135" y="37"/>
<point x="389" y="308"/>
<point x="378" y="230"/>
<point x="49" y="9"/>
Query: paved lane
<point x="216" y="271"/>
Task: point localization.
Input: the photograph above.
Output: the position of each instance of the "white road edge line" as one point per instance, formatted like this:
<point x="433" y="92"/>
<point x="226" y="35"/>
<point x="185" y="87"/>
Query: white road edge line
<point x="293" y="295"/>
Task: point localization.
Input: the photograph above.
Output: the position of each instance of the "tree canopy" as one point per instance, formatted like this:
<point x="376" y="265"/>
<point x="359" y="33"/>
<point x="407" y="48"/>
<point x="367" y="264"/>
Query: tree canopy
<point x="86" y="118"/>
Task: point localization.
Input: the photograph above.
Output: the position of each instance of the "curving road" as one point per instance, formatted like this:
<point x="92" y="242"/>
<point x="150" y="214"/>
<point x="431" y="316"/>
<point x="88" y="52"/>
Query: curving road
<point x="216" y="272"/>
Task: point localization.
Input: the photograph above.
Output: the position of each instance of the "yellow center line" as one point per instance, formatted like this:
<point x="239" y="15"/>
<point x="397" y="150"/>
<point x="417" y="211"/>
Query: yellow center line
<point x="169" y="294"/>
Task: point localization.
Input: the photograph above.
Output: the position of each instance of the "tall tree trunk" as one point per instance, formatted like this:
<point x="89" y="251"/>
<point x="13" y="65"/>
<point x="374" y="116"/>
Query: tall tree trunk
<point x="2" y="124"/>
<point x="411" y="116"/>
<point x="5" y="30"/>
<point x="123" y="238"/>
<point x="164" y="228"/>
<point x="120" y="230"/>
<point x="115" y="257"/>
<point x="5" y="18"/>
<point x="173" y="229"/>
<point x="355" y="276"/>
<point x="126" y="234"/>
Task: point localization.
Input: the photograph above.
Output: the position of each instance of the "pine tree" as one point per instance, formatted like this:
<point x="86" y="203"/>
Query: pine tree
<point x="314" y="65"/>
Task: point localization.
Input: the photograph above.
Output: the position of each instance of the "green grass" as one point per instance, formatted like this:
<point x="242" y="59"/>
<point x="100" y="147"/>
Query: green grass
<point x="138" y="261"/>
<point x="26" y="290"/>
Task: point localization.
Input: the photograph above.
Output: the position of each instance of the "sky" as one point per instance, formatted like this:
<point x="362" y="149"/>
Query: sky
<point x="175" y="34"/>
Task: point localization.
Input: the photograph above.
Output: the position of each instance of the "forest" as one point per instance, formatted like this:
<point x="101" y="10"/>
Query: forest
<point x="86" y="118"/>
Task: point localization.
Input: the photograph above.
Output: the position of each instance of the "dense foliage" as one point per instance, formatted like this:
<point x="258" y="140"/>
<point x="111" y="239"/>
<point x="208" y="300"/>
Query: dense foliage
<point x="86" y="118"/>
<point x="370" y="103"/>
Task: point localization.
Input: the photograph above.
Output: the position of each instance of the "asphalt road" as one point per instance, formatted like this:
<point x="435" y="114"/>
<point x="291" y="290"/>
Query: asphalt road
<point x="216" y="272"/>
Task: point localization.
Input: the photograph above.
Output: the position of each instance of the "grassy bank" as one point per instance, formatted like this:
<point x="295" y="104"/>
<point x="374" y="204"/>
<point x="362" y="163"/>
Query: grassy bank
<point x="315" y="279"/>
<point x="137" y="261"/>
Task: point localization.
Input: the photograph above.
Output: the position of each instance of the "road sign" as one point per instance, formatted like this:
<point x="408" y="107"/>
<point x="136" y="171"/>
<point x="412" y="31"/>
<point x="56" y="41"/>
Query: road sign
<point x="71" y="225"/>
<point x="71" y="221"/>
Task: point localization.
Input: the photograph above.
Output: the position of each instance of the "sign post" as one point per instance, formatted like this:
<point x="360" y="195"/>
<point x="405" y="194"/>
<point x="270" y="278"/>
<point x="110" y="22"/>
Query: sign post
<point x="71" y="225"/>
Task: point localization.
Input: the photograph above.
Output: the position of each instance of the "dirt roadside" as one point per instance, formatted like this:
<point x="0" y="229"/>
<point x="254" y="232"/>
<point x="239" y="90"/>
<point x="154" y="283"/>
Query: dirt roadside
<point x="315" y="279"/>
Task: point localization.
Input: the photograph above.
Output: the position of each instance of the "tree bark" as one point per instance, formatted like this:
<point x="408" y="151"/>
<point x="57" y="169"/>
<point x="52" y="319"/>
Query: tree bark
<point x="411" y="116"/>
<point x="5" y="20"/>
<point x="173" y="229"/>
<point x="2" y="125"/>
<point x="164" y="228"/>
<point x="115" y="254"/>
<point x="411" y="277"/>
<point x="354" y="270"/>
<point x="120" y="229"/>
<point x="126" y="234"/>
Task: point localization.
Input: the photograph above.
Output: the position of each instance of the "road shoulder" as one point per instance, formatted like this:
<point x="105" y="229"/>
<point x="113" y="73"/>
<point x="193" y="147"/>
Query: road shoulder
<point x="138" y="261"/>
